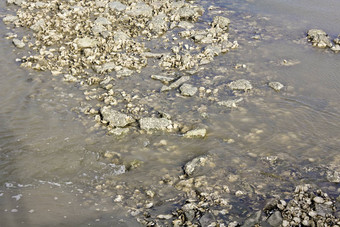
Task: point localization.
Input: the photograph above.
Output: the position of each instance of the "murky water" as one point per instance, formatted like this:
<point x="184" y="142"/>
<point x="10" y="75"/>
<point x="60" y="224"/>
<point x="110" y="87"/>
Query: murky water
<point x="56" y="170"/>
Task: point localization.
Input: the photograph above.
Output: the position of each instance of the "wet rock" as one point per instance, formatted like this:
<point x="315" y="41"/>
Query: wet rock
<point x="152" y="123"/>
<point x="119" y="131"/>
<point x="190" y="167"/>
<point x="230" y="103"/>
<point x="163" y="79"/>
<point x="253" y="219"/>
<point x="15" y="2"/>
<point x="333" y="176"/>
<point x="207" y="219"/>
<point x="319" y="38"/>
<point x="115" y="118"/>
<point x="196" y="133"/>
<point x="18" y="43"/>
<point x="85" y="42"/>
<point x="221" y="22"/>
<point x="165" y="216"/>
<point x="175" y="84"/>
<point x="336" y="48"/>
<point x="9" y="19"/>
<point x="159" y="24"/>
<point x="318" y="199"/>
<point x="39" y="25"/>
<point x="241" y="84"/>
<point x="140" y="9"/>
<point x="185" y="25"/>
<point x="188" y="90"/>
<point x="107" y="67"/>
<point x="213" y="50"/>
<point x="117" y="6"/>
<point x="102" y="21"/>
<point x="189" y="211"/>
<point x="275" y="220"/>
<point x="277" y="86"/>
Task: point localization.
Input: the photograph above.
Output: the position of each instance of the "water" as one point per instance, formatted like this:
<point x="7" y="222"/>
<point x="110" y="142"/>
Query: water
<point x="55" y="170"/>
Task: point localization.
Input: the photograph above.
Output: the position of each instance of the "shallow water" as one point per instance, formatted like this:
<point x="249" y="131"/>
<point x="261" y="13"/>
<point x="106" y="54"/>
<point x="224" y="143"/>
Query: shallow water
<point x="53" y="169"/>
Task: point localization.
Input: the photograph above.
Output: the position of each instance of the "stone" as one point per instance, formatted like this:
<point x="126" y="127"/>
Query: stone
<point x="102" y="21"/>
<point x="319" y="38"/>
<point x="119" y="131"/>
<point x="39" y="25"/>
<point x="188" y="90"/>
<point x="336" y="48"/>
<point x="18" y="43"/>
<point x="117" y="6"/>
<point x="318" y="199"/>
<point x="253" y="219"/>
<point x="165" y="216"/>
<point x="152" y="123"/>
<point x="230" y="103"/>
<point x="185" y="25"/>
<point x="207" y="219"/>
<point x="107" y="67"/>
<point x="213" y="50"/>
<point x="115" y="118"/>
<point x="85" y="42"/>
<point x="241" y="84"/>
<point x="9" y="19"/>
<point x="190" y="167"/>
<point x="175" y="84"/>
<point x="196" y="133"/>
<point x="221" y="22"/>
<point x="333" y="176"/>
<point x="158" y="24"/>
<point x="277" y="86"/>
<point x="163" y="79"/>
<point x="140" y="9"/>
<point x="275" y="220"/>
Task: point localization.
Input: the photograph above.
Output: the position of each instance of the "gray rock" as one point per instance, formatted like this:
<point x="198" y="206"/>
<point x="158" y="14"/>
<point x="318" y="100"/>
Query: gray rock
<point x="333" y="176"/>
<point x="319" y="38"/>
<point x="119" y="131"/>
<point x="213" y="50"/>
<point x="140" y="9"/>
<point x="277" y="86"/>
<point x="158" y="24"/>
<point x="189" y="211"/>
<point x="221" y="22"/>
<point x="323" y="210"/>
<point x="15" y="2"/>
<point x="196" y="133"/>
<point x="85" y="42"/>
<point x="336" y="48"/>
<point x="152" y="123"/>
<point x="318" y="199"/>
<point x="124" y="72"/>
<point x="115" y="118"/>
<point x="230" y="103"/>
<point x="207" y="219"/>
<point x="241" y="84"/>
<point x="102" y="21"/>
<point x="275" y="220"/>
<point x="163" y="79"/>
<point x="188" y="90"/>
<point x="190" y="167"/>
<point x="107" y="67"/>
<point x="18" y="43"/>
<point x="9" y="19"/>
<point x="39" y="25"/>
<point x="117" y="6"/>
<point x="185" y="25"/>
<point x="253" y="219"/>
<point x="120" y="36"/>
<point x="175" y="84"/>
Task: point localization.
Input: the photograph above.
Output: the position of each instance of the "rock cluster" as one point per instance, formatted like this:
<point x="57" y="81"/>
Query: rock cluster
<point x="320" y="39"/>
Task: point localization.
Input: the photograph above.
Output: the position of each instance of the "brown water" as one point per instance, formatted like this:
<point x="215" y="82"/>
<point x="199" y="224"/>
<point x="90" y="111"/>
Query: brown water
<point x="51" y="163"/>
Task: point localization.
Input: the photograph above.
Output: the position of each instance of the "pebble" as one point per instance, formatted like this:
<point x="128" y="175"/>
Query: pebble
<point x="18" y="43"/>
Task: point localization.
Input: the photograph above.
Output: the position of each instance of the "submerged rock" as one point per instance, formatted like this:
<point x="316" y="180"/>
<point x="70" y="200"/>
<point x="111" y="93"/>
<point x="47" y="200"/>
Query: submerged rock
<point x="188" y="90"/>
<point x="196" y="133"/>
<point x="175" y="84"/>
<point x="275" y="220"/>
<point x="230" y="103"/>
<point x="319" y="38"/>
<point x="277" y="86"/>
<point x="152" y="123"/>
<point x="18" y="43"/>
<point x="85" y="42"/>
<point x="221" y="22"/>
<point x="117" y="6"/>
<point x="115" y="118"/>
<point x="241" y="84"/>
<point x="191" y="166"/>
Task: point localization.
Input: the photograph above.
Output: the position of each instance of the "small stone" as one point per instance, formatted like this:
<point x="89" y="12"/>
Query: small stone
<point x="191" y="166"/>
<point x="115" y="118"/>
<point x="163" y="79"/>
<point x="230" y="103"/>
<point x="319" y="38"/>
<point x="119" y="131"/>
<point x="175" y="84"/>
<point x="241" y="84"/>
<point x="85" y="42"/>
<point x="277" y="86"/>
<point x="221" y="22"/>
<point x="117" y="6"/>
<point x="188" y="90"/>
<point x="9" y="19"/>
<point x="152" y="123"/>
<point x="165" y="216"/>
<point x="207" y="219"/>
<point x="196" y="133"/>
<point x="318" y="200"/>
<point x="275" y="220"/>
<point x="333" y="176"/>
<point x="39" y="25"/>
<point x="285" y="223"/>
<point x="18" y="43"/>
<point x="253" y="219"/>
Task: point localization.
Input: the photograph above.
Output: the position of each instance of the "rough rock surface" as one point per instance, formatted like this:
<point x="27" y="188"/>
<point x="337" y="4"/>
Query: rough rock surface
<point x="115" y="118"/>
<point x="188" y="90"/>
<point x="230" y="103"/>
<point x="152" y="123"/>
<point x="241" y="84"/>
<point x="196" y="133"/>
<point x="277" y="86"/>
<point x="190" y="167"/>
<point x="319" y="38"/>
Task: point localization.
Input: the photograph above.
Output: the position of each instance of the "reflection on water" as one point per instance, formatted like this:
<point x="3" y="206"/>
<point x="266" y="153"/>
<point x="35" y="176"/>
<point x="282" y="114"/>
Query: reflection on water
<point x="55" y="171"/>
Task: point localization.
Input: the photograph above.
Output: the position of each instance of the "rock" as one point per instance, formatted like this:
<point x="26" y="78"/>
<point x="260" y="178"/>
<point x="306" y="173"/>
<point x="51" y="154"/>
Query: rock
<point x="241" y="84"/>
<point x="336" y="48"/>
<point x="124" y="72"/>
<point x="189" y="211"/>
<point x="165" y="216"/>
<point x="318" y="199"/>
<point x="120" y="37"/>
<point x="230" y="103"/>
<point x="9" y="19"/>
<point x="188" y="90"/>
<point x="175" y="84"/>
<point x="163" y="79"/>
<point x="152" y="55"/>
<point x="319" y="38"/>
<point x="158" y="24"/>
<point x="277" y="86"/>
<point x="117" y="6"/>
<point x="140" y="9"/>
<point x="275" y="220"/>
<point x="115" y="118"/>
<point x="190" y="167"/>
<point x="102" y="21"/>
<point x="253" y="219"/>
<point x="333" y="176"/>
<point x="323" y="210"/>
<point x="15" y="2"/>
<point x="213" y="50"/>
<point x="152" y="123"/>
<point x="119" y="131"/>
<point x="18" y="43"/>
<point x="107" y="67"/>
<point x="196" y="133"/>
<point x="207" y="219"/>
<point x="221" y="22"/>
<point x="85" y="42"/>
<point x="185" y="25"/>
<point x="270" y="205"/>
<point x="39" y="25"/>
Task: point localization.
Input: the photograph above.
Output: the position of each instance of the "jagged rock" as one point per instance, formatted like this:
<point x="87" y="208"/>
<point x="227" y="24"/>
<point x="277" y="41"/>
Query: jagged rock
<point x="159" y="24"/>
<point x="319" y="38"/>
<point x="188" y="90"/>
<point x="230" y="103"/>
<point x="190" y="167"/>
<point x="221" y="22"/>
<point x="175" y="84"/>
<point x="39" y="25"/>
<point x="140" y="9"/>
<point x="253" y="219"/>
<point x="115" y="118"/>
<point x="241" y="84"/>
<point x="9" y="19"/>
<point x="152" y="123"/>
<point x="275" y="220"/>
<point x="85" y="42"/>
<point x="117" y="6"/>
<point x="18" y="43"/>
<point x="196" y="133"/>
<point x="277" y="86"/>
<point x="163" y="79"/>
